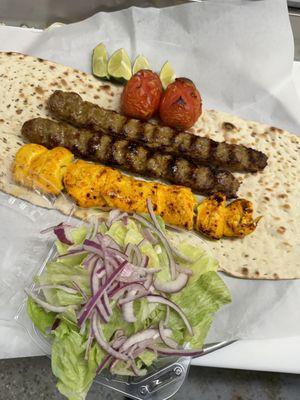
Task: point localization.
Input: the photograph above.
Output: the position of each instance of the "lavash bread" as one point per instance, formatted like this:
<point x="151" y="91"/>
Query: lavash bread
<point x="271" y="252"/>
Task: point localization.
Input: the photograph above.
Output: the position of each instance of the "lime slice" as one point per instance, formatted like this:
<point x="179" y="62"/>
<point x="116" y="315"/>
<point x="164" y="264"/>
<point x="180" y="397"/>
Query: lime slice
<point x="99" y="61"/>
<point x="119" y="66"/>
<point x="140" y="62"/>
<point x="167" y="75"/>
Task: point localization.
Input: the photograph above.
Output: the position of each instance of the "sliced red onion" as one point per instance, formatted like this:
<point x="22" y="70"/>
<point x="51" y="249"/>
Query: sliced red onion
<point x="162" y="238"/>
<point x="141" y="347"/>
<point x="172" y="286"/>
<point x="113" y="364"/>
<point x="113" y="215"/>
<point x="93" y="247"/>
<point x="103" y="363"/>
<point x="90" y="261"/>
<point x="58" y="287"/>
<point x="51" y="228"/>
<point x="62" y="234"/>
<point x="148" y="235"/>
<point x="179" y="255"/>
<point x="152" y="298"/>
<point x="108" y="241"/>
<point x="186" y="271"/>
<point x="88" y="308"/>
<point x="102" y="341"/>
<point x="80" y="290"/>
<point x="116" y="293"/>
<point x="89" y="343"/>
<point x="47" y="306"/>
<point x="107" y="304"/>
<point x="139" y="337"/>
<point x="55" y="324"/>
<point x="118" y="342"/>
<point x="72" y="253"/>
<point x="138" y="254"/>
<point x="144" y="262"/>
<point x="128" y="312"/>
<point x="148" y="282"/>
<point x="131" y="297"/>
<point x="94" y="284"/>
<point x="180" y="352"/>
<point x="167" y="316"/>
<point x="94" y="229"/>
<point x="116" y="252"/>
<point x="167" y="341"/>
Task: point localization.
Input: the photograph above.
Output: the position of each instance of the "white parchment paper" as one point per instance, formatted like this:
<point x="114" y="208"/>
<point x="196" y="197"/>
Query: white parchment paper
<point x="240" y="54"/>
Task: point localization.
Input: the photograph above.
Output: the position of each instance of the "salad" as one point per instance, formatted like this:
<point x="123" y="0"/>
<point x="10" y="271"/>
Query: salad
<point x="120" y="293"/>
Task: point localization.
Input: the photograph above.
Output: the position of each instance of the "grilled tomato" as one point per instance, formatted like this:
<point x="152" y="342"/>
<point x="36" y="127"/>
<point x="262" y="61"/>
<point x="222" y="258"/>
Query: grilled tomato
<point x="181" y="104"/>
<point x="141" y="95"/>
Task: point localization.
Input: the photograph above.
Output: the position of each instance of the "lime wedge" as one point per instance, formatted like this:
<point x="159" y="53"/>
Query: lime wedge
<point x="99" y="61"/>
<point x="140" y="62"/>
<point x="167" y="75"/>
<point x="119" y="66"/>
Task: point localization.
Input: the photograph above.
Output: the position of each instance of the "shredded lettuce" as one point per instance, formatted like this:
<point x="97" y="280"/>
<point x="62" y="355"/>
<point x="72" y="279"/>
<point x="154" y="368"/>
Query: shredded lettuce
<point x="205" y="289"/>
<point x="75" y="374"/>
<point x="42" y="319"/>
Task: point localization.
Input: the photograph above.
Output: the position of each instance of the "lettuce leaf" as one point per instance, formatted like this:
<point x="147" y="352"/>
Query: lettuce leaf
<point x="75" y="374"/>
<point x="209" y="293"/>
<point x="42" y="319"/>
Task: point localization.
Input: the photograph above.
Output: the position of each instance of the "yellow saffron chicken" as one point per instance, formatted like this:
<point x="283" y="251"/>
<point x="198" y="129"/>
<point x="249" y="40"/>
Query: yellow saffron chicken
<point x="95" y="185"/>
<point x="216" y="219"/>
<point x="38" y="168"/>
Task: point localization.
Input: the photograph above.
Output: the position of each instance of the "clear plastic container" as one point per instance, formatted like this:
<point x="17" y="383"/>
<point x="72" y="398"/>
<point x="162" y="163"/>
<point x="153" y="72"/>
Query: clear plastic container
<point x="26" y="253"/>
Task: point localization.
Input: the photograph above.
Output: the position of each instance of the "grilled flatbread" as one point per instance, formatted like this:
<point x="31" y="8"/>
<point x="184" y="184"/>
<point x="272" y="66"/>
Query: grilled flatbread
<point x="271" y="252"/>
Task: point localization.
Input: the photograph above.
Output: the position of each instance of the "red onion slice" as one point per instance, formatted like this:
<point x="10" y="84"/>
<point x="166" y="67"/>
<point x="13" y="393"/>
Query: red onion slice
<point x="167" y="341"/>
<point x="113" y="215"/>
<point x="103" y="363"/>
<point x="148" y="235"/>
<point x="163" y="239"/>
<point x="58" y="287"/>
<point x="180" y="352"/>
<point x="139" y="337"/>
<point x="152" y="298"/>
<point x="186" y="271"/>
<point x="167" y="316"/>
<point x="47" y="306"/>
<point x="172" y="286"/>
<point x="72" y="253"/>
<point x="131" y="297"/>
<point x="90" y="261"/>
<point x="88" y="308"/>
<point x="89" y="343"/>
<point x="116" y="293"/>
<point x="93" y="247"/>
<point x="128" y="312"/>
<point x="80" y="290"/>
<point x="62" y="234"/>
<point x="102" y="341"/>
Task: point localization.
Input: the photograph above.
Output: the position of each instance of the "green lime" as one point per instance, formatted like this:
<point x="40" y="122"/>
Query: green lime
<point x="140" y="62"/>
<point x="99" y="61"/>
<point x="167" y="74"/>
<point x="119" y="66"/>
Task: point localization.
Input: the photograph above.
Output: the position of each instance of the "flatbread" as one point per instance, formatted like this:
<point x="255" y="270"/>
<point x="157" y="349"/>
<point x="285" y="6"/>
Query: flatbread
<point x="271" y="252"/>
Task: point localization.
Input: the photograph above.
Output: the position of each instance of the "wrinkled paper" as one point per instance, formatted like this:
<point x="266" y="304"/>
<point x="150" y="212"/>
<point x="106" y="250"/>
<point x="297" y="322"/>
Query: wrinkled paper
<point x="240" y="55"/>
